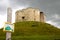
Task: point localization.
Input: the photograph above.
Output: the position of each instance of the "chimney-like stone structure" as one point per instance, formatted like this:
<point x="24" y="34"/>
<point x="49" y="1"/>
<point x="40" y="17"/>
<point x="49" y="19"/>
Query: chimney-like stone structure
<point x="42" y="17"/>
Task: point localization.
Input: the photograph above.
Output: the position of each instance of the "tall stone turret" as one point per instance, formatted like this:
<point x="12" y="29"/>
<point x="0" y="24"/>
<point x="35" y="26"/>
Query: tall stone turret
<point x="42" y="18"/>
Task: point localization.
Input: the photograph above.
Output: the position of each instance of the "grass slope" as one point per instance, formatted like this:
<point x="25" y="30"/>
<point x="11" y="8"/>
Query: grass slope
<point x="35" y="28"/>
<point x="33" y="31"/>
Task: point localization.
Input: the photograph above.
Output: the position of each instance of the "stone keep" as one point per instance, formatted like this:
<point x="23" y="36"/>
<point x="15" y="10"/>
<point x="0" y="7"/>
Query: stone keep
<point x="29" y="14"/>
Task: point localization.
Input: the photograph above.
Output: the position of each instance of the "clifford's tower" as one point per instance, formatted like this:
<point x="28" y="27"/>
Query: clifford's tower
<point x="29" y="14"/>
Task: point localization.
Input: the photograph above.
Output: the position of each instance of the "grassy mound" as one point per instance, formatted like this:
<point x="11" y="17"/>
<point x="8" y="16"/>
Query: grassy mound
<point x="35" y="28"/>
<point x="33" y="31"/>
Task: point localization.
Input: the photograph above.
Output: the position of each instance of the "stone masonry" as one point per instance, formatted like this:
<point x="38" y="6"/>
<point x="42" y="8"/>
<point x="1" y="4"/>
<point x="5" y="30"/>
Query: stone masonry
<point x="29" y="14"/>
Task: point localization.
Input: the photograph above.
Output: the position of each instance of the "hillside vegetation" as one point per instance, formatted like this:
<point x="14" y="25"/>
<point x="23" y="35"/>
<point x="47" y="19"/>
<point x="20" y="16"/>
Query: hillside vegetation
<point x="33" y="31"/>
<point x="35" y="28"/>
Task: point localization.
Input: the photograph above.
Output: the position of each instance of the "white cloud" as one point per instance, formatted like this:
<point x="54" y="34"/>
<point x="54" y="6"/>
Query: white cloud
<point x="2" y="20"/>
<point x="50" y="22"/>
<point x="53" y="23"/>
<point x="4" y="3"/>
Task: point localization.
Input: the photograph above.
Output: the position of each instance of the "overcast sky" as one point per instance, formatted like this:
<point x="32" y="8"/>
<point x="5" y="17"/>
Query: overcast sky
<point x="51" y="9"/>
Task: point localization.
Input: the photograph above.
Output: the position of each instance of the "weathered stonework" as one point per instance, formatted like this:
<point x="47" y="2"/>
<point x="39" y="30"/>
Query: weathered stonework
<point x="28" y="14"/>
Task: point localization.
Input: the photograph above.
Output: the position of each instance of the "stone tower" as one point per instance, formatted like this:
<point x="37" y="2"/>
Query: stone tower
<point x="42" y="18"/>
<point x="29" y="14"/>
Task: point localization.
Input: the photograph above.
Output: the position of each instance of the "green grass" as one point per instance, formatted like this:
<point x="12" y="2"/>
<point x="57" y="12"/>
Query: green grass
<point x="41" y="37"/>
<point x="35" y="28"/>
<point x="35" y="37"/>
<point x="33" y="31"/>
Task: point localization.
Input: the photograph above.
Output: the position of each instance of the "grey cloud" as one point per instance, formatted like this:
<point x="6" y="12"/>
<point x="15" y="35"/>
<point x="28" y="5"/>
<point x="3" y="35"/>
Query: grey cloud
<point x="49" y="7"/>
<point x="17" y="3"/>
<point x="2" y="10"/>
